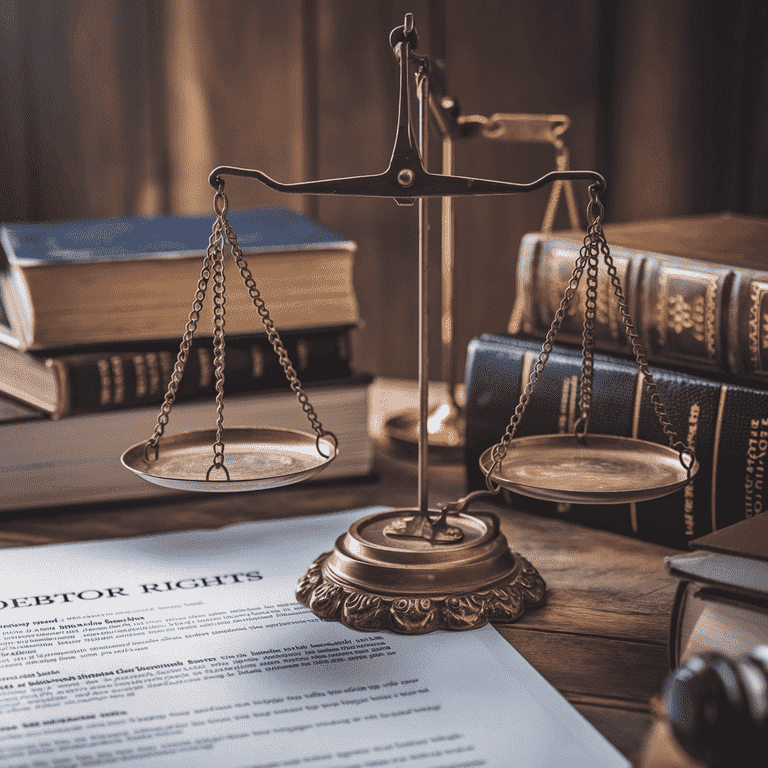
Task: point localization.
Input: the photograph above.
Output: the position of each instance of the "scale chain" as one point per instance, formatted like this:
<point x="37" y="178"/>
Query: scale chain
<point x="219" y="312"/>
<point x="213" y="267"/>
<point x="637" y="349"/>
<point x="591" y="251"/>
<point x="499" y="450"/>
<point x="214" y="245"/>
<point x="274" y="337"/>
<point x="595" y="245"/>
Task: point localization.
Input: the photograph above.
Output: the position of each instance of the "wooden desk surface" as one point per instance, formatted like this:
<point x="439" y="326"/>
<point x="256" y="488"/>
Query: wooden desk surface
<point x="600" y="639"/>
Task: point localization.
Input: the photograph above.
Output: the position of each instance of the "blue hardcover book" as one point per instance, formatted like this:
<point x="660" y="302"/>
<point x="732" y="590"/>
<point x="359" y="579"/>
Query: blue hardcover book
<point x="128" y="279"/>
<point x="726" y="424"/>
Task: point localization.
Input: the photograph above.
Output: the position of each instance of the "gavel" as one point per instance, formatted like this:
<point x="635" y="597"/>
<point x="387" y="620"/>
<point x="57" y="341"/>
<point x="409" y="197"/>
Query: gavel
<point x="716" y="708"/>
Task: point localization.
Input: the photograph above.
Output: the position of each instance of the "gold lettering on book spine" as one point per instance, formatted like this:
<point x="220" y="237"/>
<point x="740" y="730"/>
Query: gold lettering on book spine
<point x="688" y="494"/>
<point x="758" y="325"/>
<point x="682" y="315"/>
<point x="118" y="379"/>
<point x="694" y="310"/>
<point x="529" y="282"/>
<point x="662" y="302"/>
<point x="711" y="316"/>
<point x="302" y="354"/>
<point x="559" y="272"/>
<point x="153" y="370"/>
<point x="166" y="363"/>
<point x="757" y="448"/>
<point x="140" y="369"/>
<point x="604" y="318"/>
<point x="716" y="450"/>
<point x="257" y="361"/>
<point x="343" y="348"/>
<point x="608" y="321"/>
<point x="105" y="380"/>
<point x="565" y="396"/>
<point x="206" y="367"/>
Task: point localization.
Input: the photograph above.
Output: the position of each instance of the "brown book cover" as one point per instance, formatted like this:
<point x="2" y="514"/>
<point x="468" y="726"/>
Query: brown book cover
<point x="748" y="538"/>
<point x="696" y="289"/>
<point x="726" y="238"/>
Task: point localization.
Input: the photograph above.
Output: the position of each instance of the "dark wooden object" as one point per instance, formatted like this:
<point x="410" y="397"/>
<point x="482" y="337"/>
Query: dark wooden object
<point x="600" y="639"/>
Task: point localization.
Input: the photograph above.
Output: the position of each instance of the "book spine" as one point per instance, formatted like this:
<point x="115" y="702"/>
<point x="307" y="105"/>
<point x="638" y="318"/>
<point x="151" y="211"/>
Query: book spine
<point x="688" y="313"/>
<point x="126" y="377"/>
<point x="682" y="597"/>
<point x="726" y="425"/>
<point x="544" y="267"/>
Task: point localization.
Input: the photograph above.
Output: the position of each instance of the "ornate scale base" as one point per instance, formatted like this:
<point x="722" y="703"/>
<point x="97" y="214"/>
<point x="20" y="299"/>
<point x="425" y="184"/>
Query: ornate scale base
<point x="380" y="576"/>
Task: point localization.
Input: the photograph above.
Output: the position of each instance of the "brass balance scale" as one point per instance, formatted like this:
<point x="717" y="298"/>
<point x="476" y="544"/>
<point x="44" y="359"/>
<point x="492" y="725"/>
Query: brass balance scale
<point x="416" y="570"/>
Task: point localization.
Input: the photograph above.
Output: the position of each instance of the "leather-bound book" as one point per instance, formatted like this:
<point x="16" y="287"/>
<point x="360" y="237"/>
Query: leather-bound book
<point x="697" y="289"/>
<point x="725" y="423"/>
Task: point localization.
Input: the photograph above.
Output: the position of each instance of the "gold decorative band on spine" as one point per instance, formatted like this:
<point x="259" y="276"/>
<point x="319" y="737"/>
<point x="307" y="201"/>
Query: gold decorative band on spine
<point x="63" y="391"/>
<point x="572" y="403"/>
<point x="716" y="451"/>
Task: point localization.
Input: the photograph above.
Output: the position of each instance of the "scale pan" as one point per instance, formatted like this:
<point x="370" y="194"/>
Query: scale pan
<point x="256" y="458"/>
<point x="604" y="470"/>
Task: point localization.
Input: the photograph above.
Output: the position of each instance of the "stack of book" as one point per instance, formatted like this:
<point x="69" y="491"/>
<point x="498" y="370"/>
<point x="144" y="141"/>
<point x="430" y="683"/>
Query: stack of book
<point x="91" y="316"/>
<point x="721" y="604"/>
<point x="697" y="289"/>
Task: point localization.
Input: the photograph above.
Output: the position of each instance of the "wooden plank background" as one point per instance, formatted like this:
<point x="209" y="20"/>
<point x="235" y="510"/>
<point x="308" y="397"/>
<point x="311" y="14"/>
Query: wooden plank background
<point x="116" y="107"/>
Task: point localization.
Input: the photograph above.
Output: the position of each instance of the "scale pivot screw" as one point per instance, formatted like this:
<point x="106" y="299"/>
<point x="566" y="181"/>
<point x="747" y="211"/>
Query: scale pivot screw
<point x="405" y="177"/>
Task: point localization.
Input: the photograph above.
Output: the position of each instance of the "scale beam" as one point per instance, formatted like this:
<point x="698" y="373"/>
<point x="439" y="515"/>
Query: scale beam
<point x="406" y="178"/>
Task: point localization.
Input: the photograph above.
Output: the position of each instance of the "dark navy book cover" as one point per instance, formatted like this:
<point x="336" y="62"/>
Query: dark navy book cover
<point x="137" y="237"/>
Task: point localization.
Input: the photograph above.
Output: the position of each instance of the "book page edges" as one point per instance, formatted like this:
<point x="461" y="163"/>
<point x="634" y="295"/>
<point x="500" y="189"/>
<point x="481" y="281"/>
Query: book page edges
<point x="28" y="380"/>
<point x="129" y="304"/>
<point x="742" y="574"/>
<point x="17" y="303"/>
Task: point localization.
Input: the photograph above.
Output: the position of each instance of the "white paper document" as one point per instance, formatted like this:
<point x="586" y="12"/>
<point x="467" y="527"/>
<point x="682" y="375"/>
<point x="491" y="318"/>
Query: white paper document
<point x="189" y="649"/>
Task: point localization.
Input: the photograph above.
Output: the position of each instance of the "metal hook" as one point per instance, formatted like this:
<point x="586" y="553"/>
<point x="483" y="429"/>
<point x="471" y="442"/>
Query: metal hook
<point x="406" y="33"/>
<point x="214" y="466"/>
<point x="580" y="428"/>
<point x="595" y="209"/>
<point x="330" y="435"/>
<point x="151" y="450"/>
